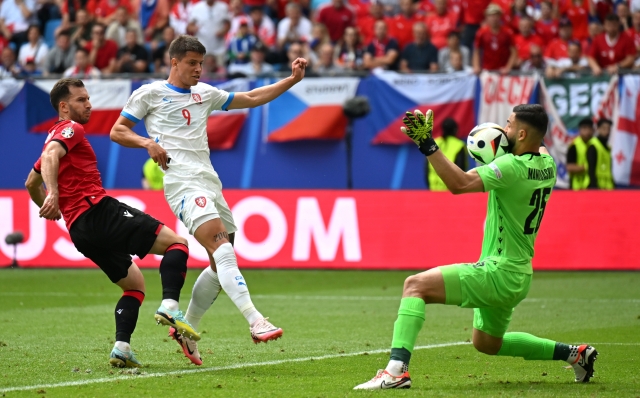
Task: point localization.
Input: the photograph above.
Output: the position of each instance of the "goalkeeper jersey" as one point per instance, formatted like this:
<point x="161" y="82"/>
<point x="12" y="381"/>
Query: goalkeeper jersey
<point x="519" y="188"/>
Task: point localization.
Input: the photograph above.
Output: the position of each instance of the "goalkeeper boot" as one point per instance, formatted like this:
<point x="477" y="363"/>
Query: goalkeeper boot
<point x="176" y="319"/>
<point x="583" y="366"/>
<point x="189" y="347"/>
<point x="263" y="330"/>
<point x="122" y="359"/>
<point x="385" y="380"/>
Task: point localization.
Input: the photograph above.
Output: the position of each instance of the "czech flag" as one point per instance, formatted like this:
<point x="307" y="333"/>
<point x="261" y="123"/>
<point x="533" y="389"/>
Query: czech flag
<point x="312" y="109"/>
<point x="108" y="97"/>
<point x="392" y="94"/>
<point x="223" y="128"/>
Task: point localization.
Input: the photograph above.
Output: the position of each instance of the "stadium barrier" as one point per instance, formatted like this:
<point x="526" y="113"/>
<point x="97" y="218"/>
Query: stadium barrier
<point x="378" y="230"/>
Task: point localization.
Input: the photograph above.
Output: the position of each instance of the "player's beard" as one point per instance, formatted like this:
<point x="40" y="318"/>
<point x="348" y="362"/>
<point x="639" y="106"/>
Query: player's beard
<point x="512" y="143"/>
<point x="80" y="117"/>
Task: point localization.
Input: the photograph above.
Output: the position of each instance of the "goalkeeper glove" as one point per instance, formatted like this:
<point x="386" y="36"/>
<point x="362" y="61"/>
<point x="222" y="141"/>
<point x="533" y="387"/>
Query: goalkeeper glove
<point x="419" y="128"/>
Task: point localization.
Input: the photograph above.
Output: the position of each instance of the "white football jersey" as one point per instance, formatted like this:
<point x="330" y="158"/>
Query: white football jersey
<point x="176" y="119"/>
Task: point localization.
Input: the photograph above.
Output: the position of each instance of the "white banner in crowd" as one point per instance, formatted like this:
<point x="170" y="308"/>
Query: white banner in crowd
<point x="499" y="94"/>
<point x="558" y="138"/>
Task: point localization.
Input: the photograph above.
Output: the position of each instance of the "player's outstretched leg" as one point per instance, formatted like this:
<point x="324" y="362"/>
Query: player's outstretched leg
<point x="213" y="237"/>
<point x="173" y="270"/>
<point x="530" y="347"/>
<point x="126" y="314"/>
<point x="418" y="290"/>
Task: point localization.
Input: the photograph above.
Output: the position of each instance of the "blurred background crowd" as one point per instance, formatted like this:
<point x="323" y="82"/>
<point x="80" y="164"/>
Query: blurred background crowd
<point x="89" y="38"/>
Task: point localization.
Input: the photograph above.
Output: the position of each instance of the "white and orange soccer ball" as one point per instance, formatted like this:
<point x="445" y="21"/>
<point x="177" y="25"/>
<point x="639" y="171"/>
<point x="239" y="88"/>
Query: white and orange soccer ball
<point x="487" y="142"/>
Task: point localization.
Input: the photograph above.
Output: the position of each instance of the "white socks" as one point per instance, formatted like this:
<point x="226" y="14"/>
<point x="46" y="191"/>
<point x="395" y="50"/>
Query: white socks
<point x="123" y="346"/>
<point x="205" y="292"/>
<point x="233" y="282"/>
<point x="171" y="305"/>
<point x="396" y="368"/>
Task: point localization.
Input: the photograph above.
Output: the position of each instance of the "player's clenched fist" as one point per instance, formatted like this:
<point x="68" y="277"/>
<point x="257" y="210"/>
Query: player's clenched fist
<point x="419" y="128"/>
<point x="50" y="209"/>
<point x="297" y="69"/>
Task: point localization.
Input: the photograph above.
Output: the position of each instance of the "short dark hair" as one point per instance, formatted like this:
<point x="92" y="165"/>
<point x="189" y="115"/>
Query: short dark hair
<point x="585" y="122"/>
<point x="60" y="91"/>
<point x="82" y="50"/>
<point x="179" y="48"/>
<point x="604" y="120"/>
<point x="612" y="18"/>
<point x="453" y="33"/>
<point x="100" y="25"/>
<point x="534" y="115"/>
<point x="65" y="32"/>
<point x="449" y="127"/>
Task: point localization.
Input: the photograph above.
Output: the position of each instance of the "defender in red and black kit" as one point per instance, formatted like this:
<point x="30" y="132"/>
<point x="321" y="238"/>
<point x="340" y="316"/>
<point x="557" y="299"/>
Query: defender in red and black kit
<point x="103" y="229"/>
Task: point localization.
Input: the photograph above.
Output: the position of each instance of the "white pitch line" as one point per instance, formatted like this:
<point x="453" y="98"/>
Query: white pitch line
<point x="326" y="297"/>
<point x="636" y="344"/>
<point x="218" y="368"/>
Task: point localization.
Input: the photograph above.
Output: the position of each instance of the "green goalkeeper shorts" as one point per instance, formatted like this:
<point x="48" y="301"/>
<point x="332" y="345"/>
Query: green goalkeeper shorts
<point x="491" y="291"/>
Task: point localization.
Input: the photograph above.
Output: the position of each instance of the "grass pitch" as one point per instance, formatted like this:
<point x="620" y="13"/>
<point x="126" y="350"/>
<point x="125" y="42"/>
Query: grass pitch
<point x="58" y="331"/>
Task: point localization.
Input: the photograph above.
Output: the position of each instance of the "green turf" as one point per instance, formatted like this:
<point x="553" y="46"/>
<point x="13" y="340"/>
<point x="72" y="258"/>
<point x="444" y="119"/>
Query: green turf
<point x="55" y="322"/>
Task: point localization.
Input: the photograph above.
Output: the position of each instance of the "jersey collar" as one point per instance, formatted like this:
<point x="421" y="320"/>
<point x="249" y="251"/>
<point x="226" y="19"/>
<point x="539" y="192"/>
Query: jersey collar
<point x="178" y="89"/>
<point x="530" y="153"/>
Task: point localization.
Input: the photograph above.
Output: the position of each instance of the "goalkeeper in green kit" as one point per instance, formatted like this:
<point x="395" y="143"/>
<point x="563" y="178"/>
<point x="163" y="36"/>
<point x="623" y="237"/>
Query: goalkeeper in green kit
<point x="519" y="185"/>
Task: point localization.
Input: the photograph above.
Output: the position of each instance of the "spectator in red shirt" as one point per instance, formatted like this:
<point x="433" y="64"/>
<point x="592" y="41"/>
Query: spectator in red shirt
<point x="365" y="24"/>
<point x="494" y="47"/>
<point x="578" y="13"/>
<point x="517" y="11"/>
<point x="336" y="17"/>
<point x="401" y="26"/>
<point x="69" y="8"/>
<point x="612" y="49"/>
<point x="473" y="12"/>
<point x="576" y="63"/>
<point x="102" y="52"/>
<point x="440" y="23"/>
<point x="558" y="48"/>
<point x="106" y="10"/>
<point x="383" y="50"/>
<point x="547" y="27"/>
<point x="525" y="39"/>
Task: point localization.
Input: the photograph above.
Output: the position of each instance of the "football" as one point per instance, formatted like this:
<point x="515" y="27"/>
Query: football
<point x="486" y="142"/>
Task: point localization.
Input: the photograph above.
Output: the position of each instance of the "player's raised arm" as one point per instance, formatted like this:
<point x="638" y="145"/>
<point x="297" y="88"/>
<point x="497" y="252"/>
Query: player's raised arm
<point x="49" y="170"/>
<point x="419" y="128"/>
<point x="263" y="95"/>
<point x="122" y="133"/>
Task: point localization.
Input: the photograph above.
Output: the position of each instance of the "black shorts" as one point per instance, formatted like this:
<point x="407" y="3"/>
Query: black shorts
<point x="110" y="232"/>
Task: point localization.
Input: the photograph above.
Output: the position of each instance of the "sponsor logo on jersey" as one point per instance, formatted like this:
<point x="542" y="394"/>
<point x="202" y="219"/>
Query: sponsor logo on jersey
<point x="197" y="98"/>
<point x="201" y="201"/>
<point x="496" y="170"/>
<point x="165" y="99"/>
<point x="67" y="132"/>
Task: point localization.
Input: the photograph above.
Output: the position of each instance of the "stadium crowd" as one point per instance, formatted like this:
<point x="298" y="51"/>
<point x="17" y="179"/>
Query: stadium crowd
<point x="89" y="38"/>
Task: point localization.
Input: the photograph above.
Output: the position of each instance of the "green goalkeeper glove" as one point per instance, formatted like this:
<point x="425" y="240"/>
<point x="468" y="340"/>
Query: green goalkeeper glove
<point x="419" y="129"/>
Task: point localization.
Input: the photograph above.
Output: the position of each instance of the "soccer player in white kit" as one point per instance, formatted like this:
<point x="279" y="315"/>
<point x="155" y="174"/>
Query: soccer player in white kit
<point x="176" y="112"/>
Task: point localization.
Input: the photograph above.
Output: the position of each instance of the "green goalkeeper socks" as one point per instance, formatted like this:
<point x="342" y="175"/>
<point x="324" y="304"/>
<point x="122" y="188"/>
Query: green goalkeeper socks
<point x="406" y="328"/>
<point x="527" y="346"/>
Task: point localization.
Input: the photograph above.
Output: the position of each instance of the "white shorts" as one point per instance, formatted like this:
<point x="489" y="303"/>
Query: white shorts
<point x="196" y="202"/>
